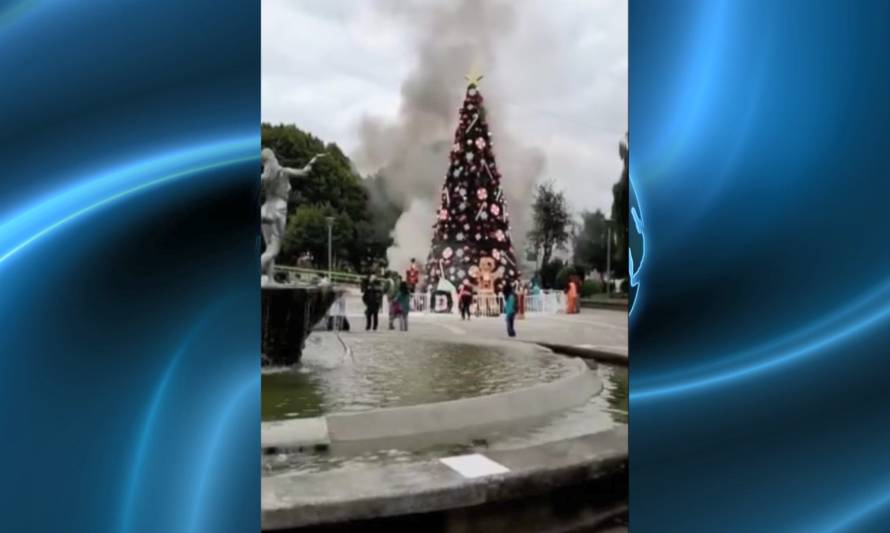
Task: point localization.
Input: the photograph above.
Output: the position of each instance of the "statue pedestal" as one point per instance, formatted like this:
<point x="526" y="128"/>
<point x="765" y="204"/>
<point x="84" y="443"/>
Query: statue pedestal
<point x="288" y="315"/>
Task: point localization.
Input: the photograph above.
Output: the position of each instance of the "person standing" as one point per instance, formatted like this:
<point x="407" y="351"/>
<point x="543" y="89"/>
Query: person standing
<point x="510" y="307"/>
<point x="404" y="301"/>
<point x="572" y="298"/>
<point x="371" y="298"/>
<point x="392" y="293"/>
<point x="412" y="276"/>
<point x="337" y="320"/>
<point x="465" y="299"/>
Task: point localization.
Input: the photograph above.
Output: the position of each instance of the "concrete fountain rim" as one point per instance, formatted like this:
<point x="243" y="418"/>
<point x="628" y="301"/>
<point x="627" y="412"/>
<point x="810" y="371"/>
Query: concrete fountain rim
<point x="294" y="500"/>
<point x="424" y="424"/>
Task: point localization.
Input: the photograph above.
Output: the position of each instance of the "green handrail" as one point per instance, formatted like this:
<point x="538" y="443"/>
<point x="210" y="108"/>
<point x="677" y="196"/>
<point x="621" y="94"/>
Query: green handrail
<point x="336" y="277"/>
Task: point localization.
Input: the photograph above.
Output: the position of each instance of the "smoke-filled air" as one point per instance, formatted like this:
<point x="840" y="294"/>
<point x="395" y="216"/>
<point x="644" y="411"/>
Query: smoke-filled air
<point x="411" y="152"/>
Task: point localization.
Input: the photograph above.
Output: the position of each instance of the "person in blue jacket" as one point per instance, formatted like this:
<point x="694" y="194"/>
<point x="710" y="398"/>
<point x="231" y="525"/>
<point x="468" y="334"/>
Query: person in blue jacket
<point x="510" y="309"/>
<point x="404" y="300"/>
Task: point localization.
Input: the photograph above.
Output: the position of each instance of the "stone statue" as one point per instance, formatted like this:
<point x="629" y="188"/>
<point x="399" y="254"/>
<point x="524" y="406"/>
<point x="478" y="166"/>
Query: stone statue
<point x="273" y="214"/>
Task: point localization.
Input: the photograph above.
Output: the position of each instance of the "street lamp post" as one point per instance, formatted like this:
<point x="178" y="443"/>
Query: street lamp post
<point x="609" y="259"/>
<point x="330" y="248"/>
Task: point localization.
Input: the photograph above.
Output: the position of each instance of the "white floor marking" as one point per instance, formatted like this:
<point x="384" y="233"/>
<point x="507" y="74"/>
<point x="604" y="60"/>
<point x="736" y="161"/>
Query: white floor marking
<point x="474" y="465"/>
<point x="609" y="347"/>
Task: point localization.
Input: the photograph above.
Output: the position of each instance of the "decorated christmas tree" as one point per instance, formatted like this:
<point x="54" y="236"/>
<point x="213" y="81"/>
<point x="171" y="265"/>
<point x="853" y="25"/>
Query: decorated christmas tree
<point x="471" y="236"/>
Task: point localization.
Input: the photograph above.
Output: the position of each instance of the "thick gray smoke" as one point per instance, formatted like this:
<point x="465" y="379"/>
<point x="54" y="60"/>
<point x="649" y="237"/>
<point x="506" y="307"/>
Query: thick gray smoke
<point x="412" y="152"/>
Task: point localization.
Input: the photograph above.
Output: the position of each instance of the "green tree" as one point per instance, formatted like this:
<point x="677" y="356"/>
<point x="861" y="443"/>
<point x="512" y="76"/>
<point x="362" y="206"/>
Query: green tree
<point x="307" y="232"/>
<point x="550" y="272"/>
<point x="332" y="188"/>
<point x="590" y="247"/>
<point x="562" y="277"/>
<point x="551" y="221"/>
<point x="620" y="212"/>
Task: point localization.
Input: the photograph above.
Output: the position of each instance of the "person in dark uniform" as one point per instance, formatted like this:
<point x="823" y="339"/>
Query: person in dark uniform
<point x="372" y="298"/>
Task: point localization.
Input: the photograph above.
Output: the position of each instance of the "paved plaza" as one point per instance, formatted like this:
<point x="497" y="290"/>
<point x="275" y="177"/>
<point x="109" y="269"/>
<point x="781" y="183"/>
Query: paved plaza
<point x="595" y="329"/>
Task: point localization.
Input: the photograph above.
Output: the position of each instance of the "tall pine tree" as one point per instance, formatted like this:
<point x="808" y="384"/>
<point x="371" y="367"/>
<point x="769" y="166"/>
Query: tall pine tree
<point x="471" y="236"/>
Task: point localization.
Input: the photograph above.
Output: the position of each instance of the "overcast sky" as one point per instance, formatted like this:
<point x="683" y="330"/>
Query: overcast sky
<point x="559" y="82"/>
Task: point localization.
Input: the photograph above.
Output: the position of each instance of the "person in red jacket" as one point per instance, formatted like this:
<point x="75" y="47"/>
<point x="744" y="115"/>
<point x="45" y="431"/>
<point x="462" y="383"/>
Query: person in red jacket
<point x="412" y="276"/>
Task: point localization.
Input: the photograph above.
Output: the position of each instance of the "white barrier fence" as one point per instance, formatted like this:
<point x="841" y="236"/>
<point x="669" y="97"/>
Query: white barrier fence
<point x="545" y="302"/>
<point x="492" y="305"/>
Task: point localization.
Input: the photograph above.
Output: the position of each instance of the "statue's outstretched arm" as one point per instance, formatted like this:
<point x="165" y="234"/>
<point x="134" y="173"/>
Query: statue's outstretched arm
<point x="303" y="171"/>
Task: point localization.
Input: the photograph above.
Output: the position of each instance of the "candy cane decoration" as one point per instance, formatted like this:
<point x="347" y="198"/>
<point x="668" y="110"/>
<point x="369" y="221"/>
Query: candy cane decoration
<point x="485" y="164"/>
<point x="475" y="118"/>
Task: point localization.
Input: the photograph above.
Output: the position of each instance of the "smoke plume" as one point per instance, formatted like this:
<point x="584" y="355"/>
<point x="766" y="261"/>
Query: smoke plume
<point x="412" y="152"/>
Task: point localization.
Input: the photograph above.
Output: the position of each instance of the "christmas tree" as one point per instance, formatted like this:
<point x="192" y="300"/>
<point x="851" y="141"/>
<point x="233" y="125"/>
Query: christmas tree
<point x="471" y="236"/>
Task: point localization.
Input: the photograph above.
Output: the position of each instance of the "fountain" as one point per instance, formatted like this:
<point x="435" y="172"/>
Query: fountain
<point x="362" y="431"/>
<point x="289" y="310"/>
<point x="289" y="313"/>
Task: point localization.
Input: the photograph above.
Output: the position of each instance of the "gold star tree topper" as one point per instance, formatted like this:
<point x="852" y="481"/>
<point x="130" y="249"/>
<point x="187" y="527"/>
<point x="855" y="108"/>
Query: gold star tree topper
<point x="473" y="78"/>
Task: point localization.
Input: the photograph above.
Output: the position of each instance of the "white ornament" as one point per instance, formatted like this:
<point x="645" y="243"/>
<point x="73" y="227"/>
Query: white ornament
<point x="469" y="156"/>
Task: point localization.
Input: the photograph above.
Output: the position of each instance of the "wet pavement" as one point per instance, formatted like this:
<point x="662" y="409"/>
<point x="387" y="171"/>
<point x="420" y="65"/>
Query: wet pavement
<point x="596" y="329"/>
